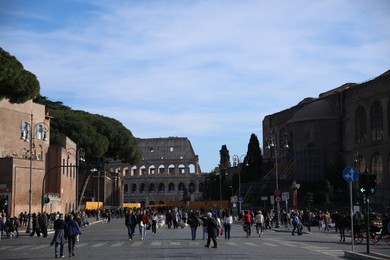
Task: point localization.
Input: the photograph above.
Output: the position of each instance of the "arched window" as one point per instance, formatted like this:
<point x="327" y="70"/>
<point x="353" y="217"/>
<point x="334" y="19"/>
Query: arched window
<point x="134" y="188"/>
<point x="171" y="169"/>
<point x="126" y="188"/>
<point x="152" y="170"/>
<point x="142" y="188"/>
<point x="201" y="187"/>
<point x="376" y="119"/>
<point x="171" y="187"/>
<point x="151" y="187"/>
<point x="161" y="169"/>
<point x="377" y="169"/>
<point x="182" y="169"/>
<point x="191" y="187"/>
<point x="142" y="170"/>
<point x="360" y="125"/>
<point x="181" y="186"/>
<point x="161" y="187"/>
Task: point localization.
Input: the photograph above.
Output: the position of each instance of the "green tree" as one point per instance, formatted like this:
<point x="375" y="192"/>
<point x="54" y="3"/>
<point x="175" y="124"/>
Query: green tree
<point x="16" y="84"/>
<point x="99" y="136"/>
<point x="253" y="160"/>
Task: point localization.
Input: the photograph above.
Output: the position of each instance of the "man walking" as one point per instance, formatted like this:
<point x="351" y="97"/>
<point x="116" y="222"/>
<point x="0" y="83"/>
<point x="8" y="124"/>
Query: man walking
<point x="212" y="229"/>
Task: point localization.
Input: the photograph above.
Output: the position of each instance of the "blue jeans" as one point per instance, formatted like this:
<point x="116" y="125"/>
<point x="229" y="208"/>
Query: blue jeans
<point x="130" y="231"/>
<point x="193" y="232"/>
<point x="227" y="230"/>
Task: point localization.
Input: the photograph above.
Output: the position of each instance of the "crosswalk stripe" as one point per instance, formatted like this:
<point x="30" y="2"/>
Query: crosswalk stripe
<point x="117" y="244"/>
<point x="5" y="247"/>
<point x="156" y="243"/>
<point x="80" y="245"/>
<point x="269" y="244"/>
<point x="137" y="243"/>
<point x="99" y="244"/>
<point x="194" y="243"/>
<point x="250" y="244"/>
<point x="20" y="247"/>
<point x="231" y="243"/>
<point x="174" y="243"/>
<point x="39" y="247"/>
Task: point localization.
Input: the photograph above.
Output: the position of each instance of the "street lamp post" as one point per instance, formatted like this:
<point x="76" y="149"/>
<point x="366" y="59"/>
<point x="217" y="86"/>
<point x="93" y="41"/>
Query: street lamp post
<point x="28" y="133"/>
<point x="220" y="189"/>
<point x="80" y="156"/>
<point x="272" y="144"/>
<point x="239" y="159"/>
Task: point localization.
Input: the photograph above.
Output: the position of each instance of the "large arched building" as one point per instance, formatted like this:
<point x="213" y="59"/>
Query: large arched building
<point x="168" y="170"/>
<point x="348" y="125"/>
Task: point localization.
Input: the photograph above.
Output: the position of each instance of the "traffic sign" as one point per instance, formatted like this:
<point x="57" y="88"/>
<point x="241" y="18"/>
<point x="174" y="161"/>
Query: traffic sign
<point x="277" y="193"/>
<point x="350" y="174"/>
<point x="285" y="196"/>
<point x="240" y="199"/>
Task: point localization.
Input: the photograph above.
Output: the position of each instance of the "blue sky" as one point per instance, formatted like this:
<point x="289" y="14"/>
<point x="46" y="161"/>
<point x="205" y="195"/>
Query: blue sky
<point x="206" y="70"/>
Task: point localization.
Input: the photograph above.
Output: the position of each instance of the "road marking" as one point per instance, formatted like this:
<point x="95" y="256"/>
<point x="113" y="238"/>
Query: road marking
<point x="5" y="247"/>
<point x="137" y="243"/>
<point x="250" y="244"/>
<point x="99" y="244"/>
<point x="194" y="243"/>
<point x="231" y="243"/>
<point x="269" y="244"/>
<point x="39" y="247"/>
<point x="156" y="243"/>
<point x="81" y="245"/>
<point x="117" y="244"/>
<point x="174" y="243"/>
<point x="20" y="247"/>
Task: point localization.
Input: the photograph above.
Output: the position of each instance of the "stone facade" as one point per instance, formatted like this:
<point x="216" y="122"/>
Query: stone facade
<point x="19" y="125"/>
<point x="349" y="124"/>
<point x="168" y="167"/>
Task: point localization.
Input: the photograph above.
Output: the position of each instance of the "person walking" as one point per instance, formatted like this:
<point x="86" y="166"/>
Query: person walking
<point x="154" y="222"/>
<point x="58" y="238"/>
<point x="259" y="223"/>
<point x="247" y="222"/>
<point x="71" y="229"/>
<point x="227" y="224"/>
<point x="35" y="226"/>
<point x="212" y="229"/>
<point x="130" y="222"/>
<point x="144" y="221"/>
<point x="193" y="221"/>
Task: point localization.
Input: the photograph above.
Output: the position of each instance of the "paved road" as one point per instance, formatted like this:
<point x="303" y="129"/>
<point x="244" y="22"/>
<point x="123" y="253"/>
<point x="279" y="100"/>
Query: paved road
<point x="109" y="241"/>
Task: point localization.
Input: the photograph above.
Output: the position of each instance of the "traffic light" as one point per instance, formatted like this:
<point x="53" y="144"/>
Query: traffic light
<point x="363" y="182"/>
<point x="371" y="184"/>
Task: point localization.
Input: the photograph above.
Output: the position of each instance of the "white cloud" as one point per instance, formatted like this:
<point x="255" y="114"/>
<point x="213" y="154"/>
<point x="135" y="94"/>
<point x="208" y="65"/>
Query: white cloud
<point x="209" y="70"/>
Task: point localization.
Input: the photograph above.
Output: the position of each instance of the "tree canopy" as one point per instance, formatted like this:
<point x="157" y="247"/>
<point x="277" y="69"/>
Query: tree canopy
<point x="98" y="135"/>
<point x="16" y="84"/>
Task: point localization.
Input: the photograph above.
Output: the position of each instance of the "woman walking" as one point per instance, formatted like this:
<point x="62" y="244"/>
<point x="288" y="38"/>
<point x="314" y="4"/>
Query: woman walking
<point x="72" y="229"/>
<point x="227" y="224"/>
<point x="58" y="238"/>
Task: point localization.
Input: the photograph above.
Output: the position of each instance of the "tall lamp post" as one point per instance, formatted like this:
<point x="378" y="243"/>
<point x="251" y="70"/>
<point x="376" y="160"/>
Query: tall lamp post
<point x="272" y="144"/>
<point x="29" y="132"/>
<point x="80" y="156"/>
<point x="239" y="160"/>
<point x="220" y="189"/>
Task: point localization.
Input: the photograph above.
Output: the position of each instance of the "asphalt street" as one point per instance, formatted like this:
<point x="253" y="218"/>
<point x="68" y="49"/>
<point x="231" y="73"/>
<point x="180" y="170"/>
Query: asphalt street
<point x="110" y="241"/>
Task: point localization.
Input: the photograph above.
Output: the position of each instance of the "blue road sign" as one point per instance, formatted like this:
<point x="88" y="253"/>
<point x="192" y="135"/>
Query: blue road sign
<point x="350" y="174"/>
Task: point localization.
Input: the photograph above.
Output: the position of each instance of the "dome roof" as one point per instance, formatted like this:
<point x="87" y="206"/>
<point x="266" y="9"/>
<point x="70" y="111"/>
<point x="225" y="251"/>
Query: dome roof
<point x="317" y="110"/>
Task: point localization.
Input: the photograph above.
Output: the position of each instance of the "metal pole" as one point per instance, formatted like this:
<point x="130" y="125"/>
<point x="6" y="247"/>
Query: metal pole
<point x="368" y="225"/>
<point x="352" y="232"/>
<point x="220" y="192"/>
<point x="239" y="185"/>
<point x="29" y="227"/>
<point x="277" y="189"/>
<point x="98" y="195"/>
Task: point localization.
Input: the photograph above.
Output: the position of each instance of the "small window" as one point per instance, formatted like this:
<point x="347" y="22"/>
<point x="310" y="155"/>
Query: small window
<point x="151" y="149"/>
<point x="171" y="149"/>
